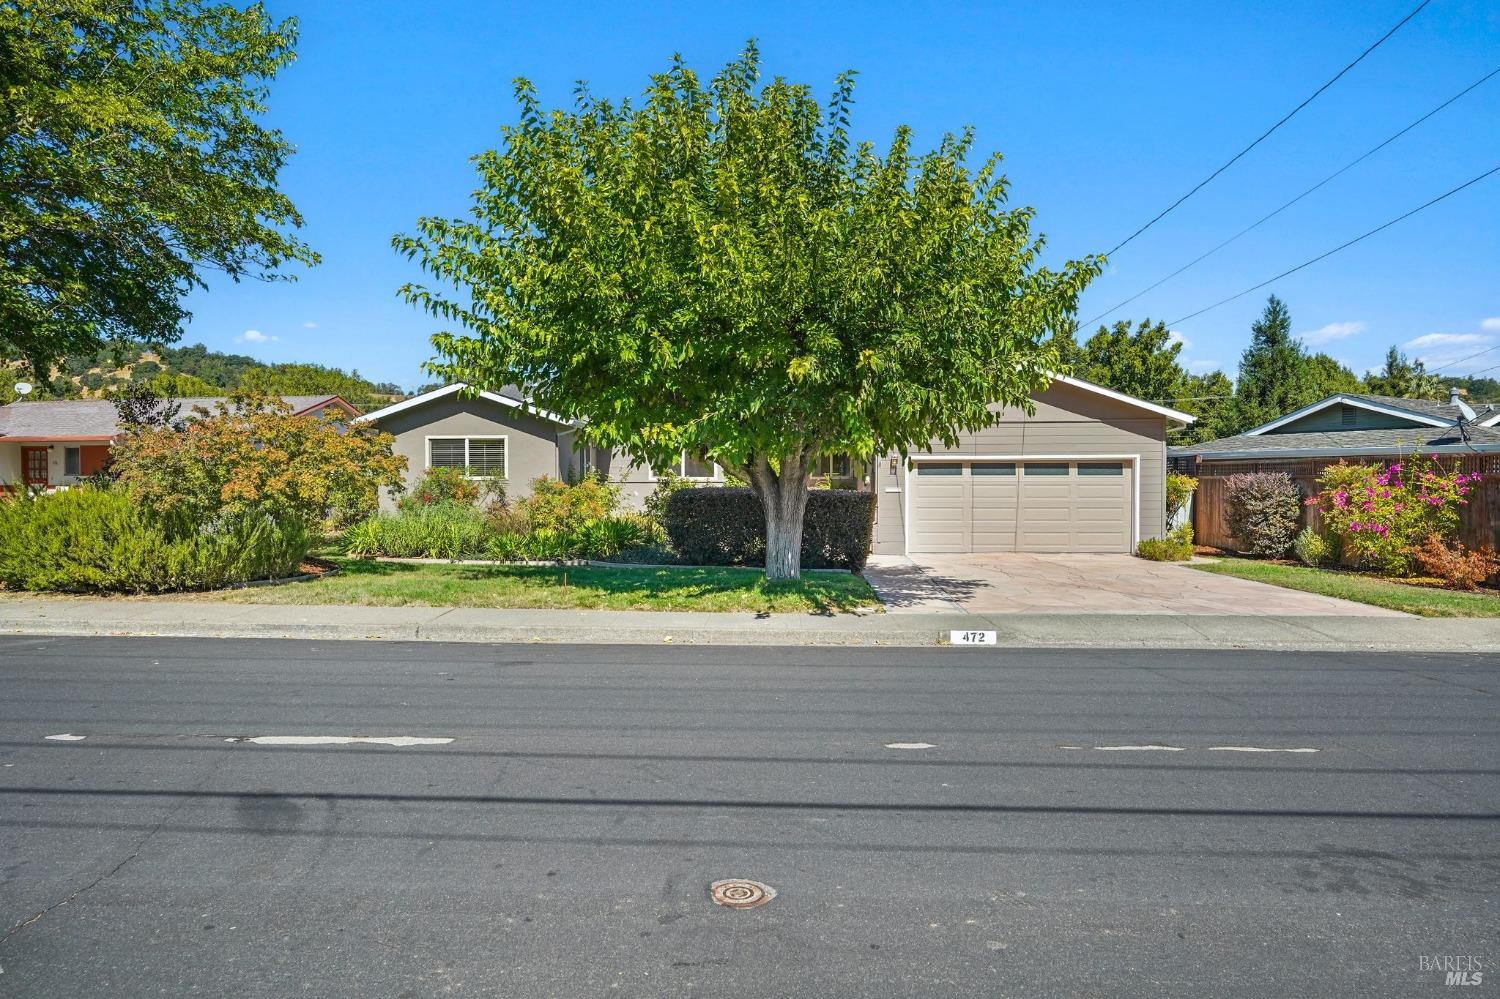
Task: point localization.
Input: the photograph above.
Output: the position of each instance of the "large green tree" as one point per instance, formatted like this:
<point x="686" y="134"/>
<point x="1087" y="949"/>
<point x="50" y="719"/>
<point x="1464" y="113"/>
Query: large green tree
<point x="133" y="162"/>
<point x="720" y="268"/>
<point x="1141" y="360"/>
<point x="1406" y="378"/>
<point x="1275" y="376"/>
<point x="1330" y="377"/>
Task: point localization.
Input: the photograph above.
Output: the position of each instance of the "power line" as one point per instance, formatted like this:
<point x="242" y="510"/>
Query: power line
<point x="1336" y="249"/>
<point x="1257" y="224"/>
<point x="1266" y="134"/>
<point x="1461" y="360"/>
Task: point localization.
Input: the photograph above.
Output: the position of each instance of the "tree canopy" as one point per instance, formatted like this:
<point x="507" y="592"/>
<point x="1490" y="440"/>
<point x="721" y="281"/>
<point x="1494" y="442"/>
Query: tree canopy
<point x="1275" y="377"/>
<point x="721" y="268"/>
<point x="1406" y="378"/>
<point x="132" y="161"/>
<point x="1141" y="360"/>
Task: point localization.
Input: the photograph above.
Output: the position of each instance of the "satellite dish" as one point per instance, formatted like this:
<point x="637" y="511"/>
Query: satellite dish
<point x="23" y="388"/>
<point x="1465" y="410"/>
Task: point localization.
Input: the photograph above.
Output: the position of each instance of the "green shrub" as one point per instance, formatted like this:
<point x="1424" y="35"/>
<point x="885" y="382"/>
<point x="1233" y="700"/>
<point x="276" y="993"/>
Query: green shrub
<point x="1314" y="549"/>
<point x="1179" y="488"/>
<point x="452" y="485"/>
<point x="667" y="484"/>
<point x="560" y="506"/>
<point x="727" y="526"/>
<point x="91" y="539"/>
<point x="1382" y="514"/>
<point x="1177" y="546"/>
<point x="445" y="530"/>
<point x="1262" y="510"/>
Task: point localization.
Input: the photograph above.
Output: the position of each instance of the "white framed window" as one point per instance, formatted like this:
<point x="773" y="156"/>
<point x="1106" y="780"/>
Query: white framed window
<point x="833" y="465"/>
<point x="694" y="467"/>
<point x="484" y="457"/>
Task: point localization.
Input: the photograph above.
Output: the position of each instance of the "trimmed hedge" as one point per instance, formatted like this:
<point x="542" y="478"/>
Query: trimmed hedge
<point x="727" y="526"/>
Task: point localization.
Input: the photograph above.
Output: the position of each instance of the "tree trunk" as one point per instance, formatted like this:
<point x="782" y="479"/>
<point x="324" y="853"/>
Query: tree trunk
<point x="783" y="493"/>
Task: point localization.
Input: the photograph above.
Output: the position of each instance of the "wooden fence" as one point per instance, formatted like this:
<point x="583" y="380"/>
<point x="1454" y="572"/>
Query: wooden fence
<point x="1479" y="524"/>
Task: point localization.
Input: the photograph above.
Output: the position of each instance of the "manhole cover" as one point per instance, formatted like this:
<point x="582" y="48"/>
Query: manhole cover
<point x="738" y="893"/>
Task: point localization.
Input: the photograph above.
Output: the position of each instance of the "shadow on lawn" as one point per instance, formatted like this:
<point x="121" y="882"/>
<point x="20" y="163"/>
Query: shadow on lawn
<point x="824" y="594"/>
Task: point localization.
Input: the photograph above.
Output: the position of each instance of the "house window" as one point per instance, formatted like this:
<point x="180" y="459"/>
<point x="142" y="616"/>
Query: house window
<point x="483" y="457"/>
<point x="697" y="467"/>
<point x="833" y="465"/>
<point x="72" y="461"/>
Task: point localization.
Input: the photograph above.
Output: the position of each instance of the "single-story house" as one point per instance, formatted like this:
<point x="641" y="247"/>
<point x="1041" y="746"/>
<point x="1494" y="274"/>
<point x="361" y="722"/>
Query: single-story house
<point x="59" y="442"/>
<point x="1084" y="473"/>
<point x="1356" y="428"/>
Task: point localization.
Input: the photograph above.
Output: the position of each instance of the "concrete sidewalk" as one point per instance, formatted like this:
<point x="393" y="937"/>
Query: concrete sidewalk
<point x="442" y="624"/>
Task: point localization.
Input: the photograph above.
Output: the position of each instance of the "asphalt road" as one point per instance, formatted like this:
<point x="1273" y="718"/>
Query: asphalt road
<point x="563" y="843"/>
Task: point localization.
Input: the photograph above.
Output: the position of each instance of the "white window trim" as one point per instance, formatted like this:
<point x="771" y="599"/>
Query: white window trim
<point x="718" y="475"/>
<point x="466" y="438"/>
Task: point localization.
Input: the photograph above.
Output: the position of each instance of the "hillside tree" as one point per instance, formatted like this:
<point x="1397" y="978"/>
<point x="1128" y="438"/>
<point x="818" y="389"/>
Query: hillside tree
<point x="720" y="268"/>
<point x="132" y="163"/>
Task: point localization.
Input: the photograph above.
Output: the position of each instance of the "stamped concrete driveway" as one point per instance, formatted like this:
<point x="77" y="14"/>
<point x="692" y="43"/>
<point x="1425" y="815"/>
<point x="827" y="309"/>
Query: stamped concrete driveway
<point x="1085" y="584"/>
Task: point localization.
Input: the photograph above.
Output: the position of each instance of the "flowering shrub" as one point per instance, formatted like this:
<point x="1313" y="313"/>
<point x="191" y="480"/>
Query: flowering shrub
<point x="453" y="485"/>
<point x="1459" y="567"/>
<point x="1382" y="513"/>
<point x="1262" y="509"/>
<point x="555" y="505"/>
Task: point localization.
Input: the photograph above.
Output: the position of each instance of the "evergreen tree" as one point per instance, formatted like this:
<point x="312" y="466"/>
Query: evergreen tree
<point x="1275" y="374"/>
<point x="1404" y="378"/>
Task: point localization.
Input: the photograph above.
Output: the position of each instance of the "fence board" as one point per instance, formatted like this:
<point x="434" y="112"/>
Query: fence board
<point x="1479" y="522"/>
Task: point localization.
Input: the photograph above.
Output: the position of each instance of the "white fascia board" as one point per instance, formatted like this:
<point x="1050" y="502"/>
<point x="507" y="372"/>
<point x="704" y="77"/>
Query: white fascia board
<point x="1348" y="400"/>
<point x="1130" y="400"/>
<point x="1339" y="452"/>
<point x="447" y="390"/>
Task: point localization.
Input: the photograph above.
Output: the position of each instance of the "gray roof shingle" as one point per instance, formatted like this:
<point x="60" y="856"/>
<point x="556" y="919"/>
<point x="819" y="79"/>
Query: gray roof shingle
<point x="1344" y="442"/>
<point x="83" y="418"/>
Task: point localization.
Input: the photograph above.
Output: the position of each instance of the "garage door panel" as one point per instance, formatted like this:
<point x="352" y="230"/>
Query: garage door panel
<point x="1083" y="505"/>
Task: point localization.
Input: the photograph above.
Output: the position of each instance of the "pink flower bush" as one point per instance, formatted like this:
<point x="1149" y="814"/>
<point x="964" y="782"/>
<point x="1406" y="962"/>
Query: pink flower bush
<point x="1383" y="513"/>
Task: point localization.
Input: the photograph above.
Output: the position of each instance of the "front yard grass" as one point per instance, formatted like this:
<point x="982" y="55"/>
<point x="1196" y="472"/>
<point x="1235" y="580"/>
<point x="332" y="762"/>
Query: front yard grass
<point x="1413" y="599"/>
<point x="684" y="588"/>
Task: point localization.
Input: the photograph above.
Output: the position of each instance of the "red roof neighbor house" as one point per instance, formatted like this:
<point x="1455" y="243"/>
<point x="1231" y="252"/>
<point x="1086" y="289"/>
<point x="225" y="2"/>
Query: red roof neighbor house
<point x="54" y="443"/>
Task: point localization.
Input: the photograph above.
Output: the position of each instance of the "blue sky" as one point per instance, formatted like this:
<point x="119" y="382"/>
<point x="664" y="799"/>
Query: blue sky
<point x="1106" y="113"/>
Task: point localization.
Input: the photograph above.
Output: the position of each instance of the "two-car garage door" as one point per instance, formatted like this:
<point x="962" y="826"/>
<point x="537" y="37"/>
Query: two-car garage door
<point x="1021" y="506"/>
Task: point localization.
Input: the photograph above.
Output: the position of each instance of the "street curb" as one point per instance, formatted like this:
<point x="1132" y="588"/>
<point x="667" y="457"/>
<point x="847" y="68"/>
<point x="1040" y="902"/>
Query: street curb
<point x="155" y="619"/>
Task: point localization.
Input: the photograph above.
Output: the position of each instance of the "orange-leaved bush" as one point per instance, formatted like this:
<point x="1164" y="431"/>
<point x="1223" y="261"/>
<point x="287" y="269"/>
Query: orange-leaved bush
<point x="252" y="455"/>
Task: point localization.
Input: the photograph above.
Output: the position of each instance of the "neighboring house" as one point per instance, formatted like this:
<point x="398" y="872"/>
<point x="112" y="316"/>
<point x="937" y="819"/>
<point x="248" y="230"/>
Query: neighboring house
<point x="1083" y="474"/>
<point x="1356" y="428"/>
<point x="54" y="443"/>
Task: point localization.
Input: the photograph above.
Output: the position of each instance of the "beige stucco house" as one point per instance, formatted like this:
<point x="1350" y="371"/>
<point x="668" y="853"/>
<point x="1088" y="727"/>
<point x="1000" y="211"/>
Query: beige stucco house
<point x="59" y="442"/>
<point x="1083" y="473"/>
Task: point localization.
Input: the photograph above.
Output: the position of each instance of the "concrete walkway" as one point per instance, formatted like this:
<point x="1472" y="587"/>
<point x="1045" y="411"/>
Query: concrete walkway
<point x="926" y="628"/>
<point x="1013" y="583"/>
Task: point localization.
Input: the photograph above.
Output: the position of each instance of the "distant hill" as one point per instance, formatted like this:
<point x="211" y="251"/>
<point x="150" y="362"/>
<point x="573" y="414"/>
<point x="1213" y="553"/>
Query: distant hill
<point x="196" y="370"/>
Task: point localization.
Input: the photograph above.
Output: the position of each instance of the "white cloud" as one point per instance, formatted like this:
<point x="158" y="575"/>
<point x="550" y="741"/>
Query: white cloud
<point x="309" y="326"/>
<point x="1439" y="341"/>
<point x="1332" y="332"/>
<point x="254" y="336"/>
<point x="1175" y="337"/>
<point x="1438" y="350"/>
<point x="1202" y="367"/>
<point x="1490" y="324"/>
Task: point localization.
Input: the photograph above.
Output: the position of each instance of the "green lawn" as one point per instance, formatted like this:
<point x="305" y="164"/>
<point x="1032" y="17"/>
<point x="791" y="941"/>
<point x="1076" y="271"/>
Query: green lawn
<point x="1427" y="601"/>
<point x="685" y="588"/>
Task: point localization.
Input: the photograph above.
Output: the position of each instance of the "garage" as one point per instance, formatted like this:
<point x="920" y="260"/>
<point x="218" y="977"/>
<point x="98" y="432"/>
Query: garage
<point x="1032" y="505"/>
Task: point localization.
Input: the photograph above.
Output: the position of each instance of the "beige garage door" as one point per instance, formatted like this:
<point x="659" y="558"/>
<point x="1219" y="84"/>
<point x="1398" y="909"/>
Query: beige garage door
<point x="1034" y="506"/>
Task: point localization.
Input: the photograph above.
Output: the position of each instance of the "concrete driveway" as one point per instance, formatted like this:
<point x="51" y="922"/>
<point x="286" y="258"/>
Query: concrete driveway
<point x="1085" y="584"/>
